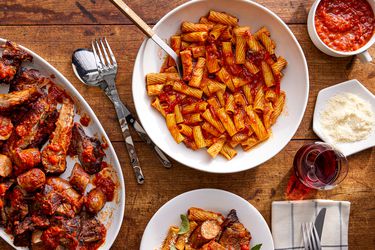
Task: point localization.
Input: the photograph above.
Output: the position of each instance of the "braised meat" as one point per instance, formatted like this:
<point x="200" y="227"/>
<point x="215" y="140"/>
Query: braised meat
<point x="89" y="150"/>
<point x="28" y="78"/>
<point x="234" y="235"/>
<point x="11" y="59"/>
<point x="54" y="154"/>
<point x="14" y="55"/>
<point x="6" y="127"/>
<point x="39" y="209"/>
<point x="92" y="231"/>
<point x="5" y="166"/>
<point x="105" y="181"/>
<point x="59" y="197"/>
<point x="7" y="72"/>
<point x="14" y="99"/>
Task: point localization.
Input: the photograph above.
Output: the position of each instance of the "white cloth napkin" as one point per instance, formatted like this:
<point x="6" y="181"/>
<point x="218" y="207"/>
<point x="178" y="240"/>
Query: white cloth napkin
<point x="287" y="217"/>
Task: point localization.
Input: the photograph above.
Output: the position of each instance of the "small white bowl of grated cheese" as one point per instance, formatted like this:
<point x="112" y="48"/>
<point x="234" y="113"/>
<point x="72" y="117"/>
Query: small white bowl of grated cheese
<point x="344" y="116"/>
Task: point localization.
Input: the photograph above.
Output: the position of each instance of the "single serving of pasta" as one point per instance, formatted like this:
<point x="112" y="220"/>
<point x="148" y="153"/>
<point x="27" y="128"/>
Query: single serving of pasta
<point x="205" y="230"/>
<point x="229" y="94"/>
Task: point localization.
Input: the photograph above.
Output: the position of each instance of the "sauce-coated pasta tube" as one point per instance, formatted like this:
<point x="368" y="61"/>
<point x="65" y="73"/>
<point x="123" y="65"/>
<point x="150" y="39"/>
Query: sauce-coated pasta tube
<point x="210" y="129"/>
<point x="200" y="36"/>
<point x="226" y="121"/>
<point x="161" y="78"/>
<point x="228" y="151"/>
<point x="171" y="238"/>
<point x="196" y="78"/>
<point x="215" y="148"/>
<point x="173" y="129"/>
<point x="267" y="74"/>
<point x="187" y="64"/>
<point x="195" y="27"/>
<point x="185" y="130"/>
<point x="226" y="78"/>
<point x="185" y="89"/>
<point x="198" y="137"/>
<point x="278" y="107"/>
<point x="222" y="18"/>
<point x="256" y="124"/>
<point x="210" y="119"/>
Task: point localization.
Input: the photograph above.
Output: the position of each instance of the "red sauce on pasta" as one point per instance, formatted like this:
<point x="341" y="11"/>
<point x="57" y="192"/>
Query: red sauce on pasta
<point x="344" y="25"/>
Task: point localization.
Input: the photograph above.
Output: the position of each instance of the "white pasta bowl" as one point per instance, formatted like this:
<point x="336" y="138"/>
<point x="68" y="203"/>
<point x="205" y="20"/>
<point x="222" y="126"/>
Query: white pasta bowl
<point x="295" y="83"/>
<point x="209" y="199"/>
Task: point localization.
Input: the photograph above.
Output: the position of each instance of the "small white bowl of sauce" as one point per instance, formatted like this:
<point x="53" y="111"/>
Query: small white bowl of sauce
<point x="343" y="28"/>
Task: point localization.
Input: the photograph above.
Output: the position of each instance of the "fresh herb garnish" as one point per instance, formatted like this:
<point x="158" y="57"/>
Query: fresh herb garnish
<point x="256" y="247"/>
<point x="185" y="225"/>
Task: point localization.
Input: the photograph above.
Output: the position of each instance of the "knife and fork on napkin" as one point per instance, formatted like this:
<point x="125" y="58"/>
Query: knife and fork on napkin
<point x="288" y="218"/>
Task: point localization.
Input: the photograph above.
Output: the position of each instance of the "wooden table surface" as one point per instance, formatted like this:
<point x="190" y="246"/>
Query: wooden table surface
<point x="54" y="29"/>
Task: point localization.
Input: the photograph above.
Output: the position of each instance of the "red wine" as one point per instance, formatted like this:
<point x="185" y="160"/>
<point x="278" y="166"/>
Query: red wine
<point x="318" y="165"/>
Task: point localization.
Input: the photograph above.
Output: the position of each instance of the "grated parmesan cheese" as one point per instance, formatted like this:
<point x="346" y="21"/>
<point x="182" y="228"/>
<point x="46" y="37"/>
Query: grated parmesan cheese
<point x="347" y="118"/>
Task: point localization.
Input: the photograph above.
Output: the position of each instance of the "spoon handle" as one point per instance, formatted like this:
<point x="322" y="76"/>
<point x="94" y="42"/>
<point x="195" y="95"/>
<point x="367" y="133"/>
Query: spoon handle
<point x="133" y="17"/>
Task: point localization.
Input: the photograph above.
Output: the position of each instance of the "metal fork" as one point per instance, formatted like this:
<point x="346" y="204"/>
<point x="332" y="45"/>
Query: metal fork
<point x="310" y="236"/>
<point x="107" y="67"/>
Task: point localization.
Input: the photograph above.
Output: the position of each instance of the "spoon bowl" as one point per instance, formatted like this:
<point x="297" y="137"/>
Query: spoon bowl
<point x="84" y="67"/>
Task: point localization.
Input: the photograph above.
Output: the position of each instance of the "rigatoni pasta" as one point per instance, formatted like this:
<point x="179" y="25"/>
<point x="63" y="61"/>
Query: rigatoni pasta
<point x="229" y="95"/>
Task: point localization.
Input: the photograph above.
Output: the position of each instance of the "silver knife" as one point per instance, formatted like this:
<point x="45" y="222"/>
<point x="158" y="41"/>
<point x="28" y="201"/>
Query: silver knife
<point x="319" y="221"/>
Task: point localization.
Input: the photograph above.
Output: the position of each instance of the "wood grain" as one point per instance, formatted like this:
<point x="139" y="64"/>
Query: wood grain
<point x="39" y="12"/>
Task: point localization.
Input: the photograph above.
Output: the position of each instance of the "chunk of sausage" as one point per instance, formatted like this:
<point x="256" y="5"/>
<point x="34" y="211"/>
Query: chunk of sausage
<point x="5" y="166"/>
<point x="79" y="178"/>
<point x="95" y="201"/>
<point x="32" y="179"/>
<point x="207" y="231"/>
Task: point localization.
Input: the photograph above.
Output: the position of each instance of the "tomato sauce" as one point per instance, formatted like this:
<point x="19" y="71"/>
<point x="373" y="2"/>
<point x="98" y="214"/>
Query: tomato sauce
<point x="344" y="25"/>
<point x="85" y="120"/>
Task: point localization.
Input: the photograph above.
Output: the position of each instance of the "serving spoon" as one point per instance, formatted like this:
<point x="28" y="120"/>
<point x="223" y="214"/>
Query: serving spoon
<point x="84" y="67"/>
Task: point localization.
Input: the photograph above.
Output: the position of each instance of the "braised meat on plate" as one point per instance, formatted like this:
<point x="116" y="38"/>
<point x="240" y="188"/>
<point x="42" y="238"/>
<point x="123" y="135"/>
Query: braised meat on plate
<point x="39" y="208"/>
<point x="206" y="230"/>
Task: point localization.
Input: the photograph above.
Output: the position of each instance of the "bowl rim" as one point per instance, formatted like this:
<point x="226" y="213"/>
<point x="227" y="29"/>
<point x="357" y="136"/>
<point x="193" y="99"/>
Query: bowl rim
<point x="360" y="50"/>
<point x="299" y="118"/>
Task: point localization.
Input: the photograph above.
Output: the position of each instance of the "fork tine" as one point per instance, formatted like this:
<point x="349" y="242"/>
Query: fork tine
<point x="97" y="60"/>
<point x="109" y="63"/>
<point x="110" y="53"/>
<point x="316" y="238"/>
<point x="100" y="54"/>
<point x="309" y="234"/>
<point x="304" y="234"/>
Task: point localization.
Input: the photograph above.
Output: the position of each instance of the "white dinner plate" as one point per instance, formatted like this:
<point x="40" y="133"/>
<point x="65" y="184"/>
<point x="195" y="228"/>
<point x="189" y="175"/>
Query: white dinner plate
<point x="112" y="213"/>
<point x="211" y="199"/>
<point x="295" y="83"/>
<point x="353" y="87"/>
